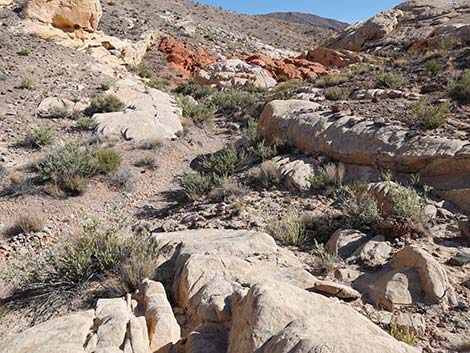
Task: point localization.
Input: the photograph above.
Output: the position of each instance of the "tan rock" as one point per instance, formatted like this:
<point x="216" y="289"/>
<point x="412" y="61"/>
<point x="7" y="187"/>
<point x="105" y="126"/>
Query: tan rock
<point x="6" y="2"/>
<point x="336" y="289"/>
<point x="64" y="334"/>
<point x="68" y="15"/>
<point x="67" y="105"/>
<point x="276" y="317"/>
<point x="373" y="253"/>
<point x="344" y="242"/>
<point x="114" y="316"/>
<point x="163" y="329"/>
<point x="295" y="172"/>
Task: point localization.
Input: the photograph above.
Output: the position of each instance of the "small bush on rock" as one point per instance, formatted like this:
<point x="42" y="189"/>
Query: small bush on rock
<point x="388" y="80"/>
<point x="289" y="230"/>
<point x="459" y="90"/>
<point x="106" y="103"/>
<point x="431" y="116"/>
<point x="336" y="94"/>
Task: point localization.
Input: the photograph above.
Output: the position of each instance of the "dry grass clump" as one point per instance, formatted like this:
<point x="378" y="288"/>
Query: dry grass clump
<point x="30" y="222"/>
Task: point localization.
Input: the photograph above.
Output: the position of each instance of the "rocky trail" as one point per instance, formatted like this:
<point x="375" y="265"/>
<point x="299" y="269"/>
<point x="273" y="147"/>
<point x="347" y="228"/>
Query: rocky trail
<point x="171" y="182"/>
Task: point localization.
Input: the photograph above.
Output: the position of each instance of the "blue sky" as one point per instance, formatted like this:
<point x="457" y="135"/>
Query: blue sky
<point x="344" y="10"/>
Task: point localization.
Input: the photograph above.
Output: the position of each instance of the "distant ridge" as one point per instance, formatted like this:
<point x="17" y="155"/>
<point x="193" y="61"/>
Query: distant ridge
<point x="308" y="19"/>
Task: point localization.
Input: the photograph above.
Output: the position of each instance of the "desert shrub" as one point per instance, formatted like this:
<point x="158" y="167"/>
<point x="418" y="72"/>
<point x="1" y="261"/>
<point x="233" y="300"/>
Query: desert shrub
<point x="144" y="72"/>
<point x="162" y="84"/>
<point x="121" y="178"/>
<point x="198" y="112"/>
<point x="288" y="230"/>
<point x="358" y="207"/>
<point x="336" y="94"/>
<point x="23" y="52"/>
<point x="57" y="113"/>
<point x="146" y="162"/>
<point x="18" y="186"/>
<point x="284" y="90"/>
<point x="402" y="333"/>
<point x="261" y="151"/>
<point x="195" y="185"/>
<point x="320" y="227"/>
<point x="97" y="254"/>
<point x="265" y="175"/>
<point x="106" y="103"/>
<point x="331" y="80"/>
<point x="70" y="166"/>
<point x="388" y="80"/>
<point x="459" y="90"/>
<point x="359" y="69"/>
<point x="433" y="67"/>
<point x="448" y="43"/>
<point x="86" y="123"/>
<point x="152" y="144"/>
<point x="228" y="189"/>
<point x="105" y="86"/>
<point x="328" y="178"/>
<point x="232" y="100"/>
<point x="194" y="89"/>
<point x="26" y="83"/>
<point x="223" y="163"/>
<point x="407" y="202"/>
<point x="30" y="223"/>
<point x="325" y="260"/>
<point x="431" y="116"/>
<point x="39" y="137"/>
<point x="108" y="160"/>
<point x="250" y="133"/>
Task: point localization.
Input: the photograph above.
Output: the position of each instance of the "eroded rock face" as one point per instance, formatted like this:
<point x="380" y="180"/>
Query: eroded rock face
<point x="290" y="68"/>
<point x="234" y="72"/>
<point x="441" y="162"/>
<point x="182" y="59"/>
<point x="6" y="2"/>
<point x="151" y="114"/>
<point x="68" y="15"/>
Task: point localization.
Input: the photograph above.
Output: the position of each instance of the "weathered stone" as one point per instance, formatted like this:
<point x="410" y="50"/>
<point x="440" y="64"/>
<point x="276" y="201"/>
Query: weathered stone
<point x="263" y="322"/>
<point x="373" y="253"/>
<point x="163" y="329"/>
<point x="338" y="290"/>
<point x="48" y="104"/>
<point x="462" y="258"/>
<point x="64" y="334"/>
<point x="464" y="226"/>
<point x="113" y="315"/>
<point x="208" y="338"/>
<point x="234" y="72"/>
<point x="6" y="2"/>
<point x="151" y="114"/>
<point x="295" y="172"/>
<point x="440" y="162"/>
<point x="345" y="242"/>
<point x="68" y="15"/>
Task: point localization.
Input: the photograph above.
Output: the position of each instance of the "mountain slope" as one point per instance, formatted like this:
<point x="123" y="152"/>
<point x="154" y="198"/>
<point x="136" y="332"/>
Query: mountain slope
<point x="308" y="19"/>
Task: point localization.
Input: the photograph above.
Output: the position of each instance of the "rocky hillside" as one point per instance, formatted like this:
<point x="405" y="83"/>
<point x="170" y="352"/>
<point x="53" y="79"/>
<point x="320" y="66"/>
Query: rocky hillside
<point x="308" y="19"/>
<point x="181" y="179"/>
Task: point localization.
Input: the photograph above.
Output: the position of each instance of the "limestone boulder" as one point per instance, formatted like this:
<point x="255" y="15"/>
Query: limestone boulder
<point x="64" y="334"/>
<point x="49" y="104"/>
<point x="344" y="242"/>
<point x="412" y="276"/>
<point x="337" y="290"/>
<point x="294" y="171"/>
<point x="234" y="72"/>
<point x="374" y="253"/>
<point x="150" y="115"/>
<point x="6" y="2"/>
<point x="67" y="15"/>
<point x="441" y="162"/>
<point x="277" y="317"/>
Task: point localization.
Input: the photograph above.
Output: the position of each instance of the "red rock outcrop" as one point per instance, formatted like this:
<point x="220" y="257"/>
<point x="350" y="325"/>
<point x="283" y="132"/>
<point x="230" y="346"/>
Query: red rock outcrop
<point x="291" y="68"/>
<point x="186" y="61"/>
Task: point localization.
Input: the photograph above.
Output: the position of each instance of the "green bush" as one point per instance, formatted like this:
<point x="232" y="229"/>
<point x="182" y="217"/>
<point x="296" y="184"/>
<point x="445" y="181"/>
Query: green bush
<point x="57" y="113"/>
<point x="232" y="100"/>
<point x="284" y="90"/>
<point x="223" y="163"/>
<point x="105" y="86"/>
<point x="289" y="230"/>
<point x="106" y="103"/>
<point x="388" y="80"/>
<point x="194" y="89"/>
<point x="162" y="84"/>
<point x="195" y="185"/>
<point x="336" y="94"/>
<point x="39" y="137"/>
<point x="328" y="178"/>
<point x="26" y="83"/>
<point x="358" y="207"/>
<point x="198" y="112"/>
<point x="459" y="90"/>
<point x="331" y="80"/>
<point x="108" y="160"/>
<point x="431" y="116"/>
<point x="23" y="52"/>
<point x="433" y="67"/>
<point x="266" y="175"/>
<point x="69" y="166"/>
<point x="407" y="202"/>
<point x="145" y="72"/>
<point x="99" y="255"/>
<point x="86" y="123"/>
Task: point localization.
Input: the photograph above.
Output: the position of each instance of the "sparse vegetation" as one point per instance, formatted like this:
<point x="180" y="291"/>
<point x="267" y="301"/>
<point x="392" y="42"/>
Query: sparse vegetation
<point x="85" y="123"/>
<point x="358" y="207"/>
<point x="288" y="230"/>
<point x="388" y="80"/>
<point x="194" y="89"/>
<point x="223" y="163"/>
<point x="198" y="112"/>
<point x="402" y="333"/>
<point x="26" y="83"/>
<point x="407" y="202"/>
<point x="431" y="116"/>
<point x="30" y="222"/>
<point x="23" y="52"/>
<point x="121" y="178"/>
<point x="433" y="67"/>
<point x="266" y="175"/>
<point x="146" y="163"/>
<point x="232" y="99"/>
<point x="336" y="94"/>
<point x="152" y="144"/>
<point x="105" y="86"/>
<point x="284" y="90"/>
<point x="106" y="103"/>
<point x="195" y="185"/>
<point x="328" y="178"/>
<point x="331" y="80"/>
<point x="459" y="89"/>
<point x="39" y="137"/>
<point x="57" y="113"/>
<point x="161" y="84"/>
